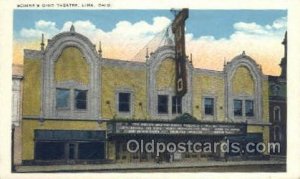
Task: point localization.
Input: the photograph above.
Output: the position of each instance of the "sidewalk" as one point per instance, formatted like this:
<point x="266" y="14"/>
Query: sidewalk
<point x="134" y="166"/>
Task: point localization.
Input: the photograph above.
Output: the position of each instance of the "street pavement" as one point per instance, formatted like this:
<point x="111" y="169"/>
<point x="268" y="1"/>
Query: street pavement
<point x="275" y="164"/>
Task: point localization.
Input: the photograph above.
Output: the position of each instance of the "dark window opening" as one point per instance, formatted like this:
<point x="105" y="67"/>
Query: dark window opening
<point x="162" y="107"/>
<point x="80" y="99"/>
<point x="209" y="106"/>
<point x="176" y="105"/>
<point x="72" y="151"/>
<point x="124" y="102"/>
<point x="62" y="98"/>
<point x="238" y="106"/>
<point x="277" y="114"/>
<point x="249" y="108"/>
<point x="277" y="134"/>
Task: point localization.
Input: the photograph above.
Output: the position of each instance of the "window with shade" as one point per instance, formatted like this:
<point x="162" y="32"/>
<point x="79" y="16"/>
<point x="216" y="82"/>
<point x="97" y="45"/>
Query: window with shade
<point x="81" y="99"/>
<point x="238" y="107"/>
<point x="124" y="102"/>
<point x="209" y="106"/>
<point x="162" y="106"/>
<point x="249" y="110"/>
<point x="243" y="108"/>
<point x="62" y="98"/>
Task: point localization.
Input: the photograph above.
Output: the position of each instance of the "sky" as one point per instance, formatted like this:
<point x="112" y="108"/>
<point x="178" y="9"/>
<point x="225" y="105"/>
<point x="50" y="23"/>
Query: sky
<point x="212" y="36"/>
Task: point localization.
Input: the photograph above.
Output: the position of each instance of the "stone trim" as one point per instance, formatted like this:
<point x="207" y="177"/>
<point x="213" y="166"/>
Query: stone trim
<point x="256" y="73"/>
<point x="51" y="54"/>
<point x="53" y="42"/>
<point x="208" y="72"/>
<point x="124" y="64"/>
<point x="258" y="123"/>
<point x="62" y="119"/>
<point x="72" y="85"/>
<point x="16" y="100"/>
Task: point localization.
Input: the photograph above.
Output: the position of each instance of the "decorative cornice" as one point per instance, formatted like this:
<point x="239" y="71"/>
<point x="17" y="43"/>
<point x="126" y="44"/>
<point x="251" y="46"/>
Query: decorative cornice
<point x="208" y="72"/>
<point x="240" y="59"/>
<point x="123" y="63"/>
<point x="67" y="35"/>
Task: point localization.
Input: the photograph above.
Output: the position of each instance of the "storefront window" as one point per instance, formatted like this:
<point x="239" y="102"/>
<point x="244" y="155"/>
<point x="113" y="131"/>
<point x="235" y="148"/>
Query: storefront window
<point x="209" y="106"/>
<point x="162" y="107"/>
<point x="91" y="150"/>
<point x="124" y="102"/>
<point x="69" y="145"/>
<point x="50" y="150"/>
<point x="62" y="98"/>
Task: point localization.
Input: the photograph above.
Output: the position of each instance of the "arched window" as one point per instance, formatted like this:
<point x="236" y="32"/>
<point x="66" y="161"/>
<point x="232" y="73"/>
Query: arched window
<point x="244" y="100"/>
<point x="276" y="113"/>
<point x="163" y="103"/>
<point x="71" y="84"/>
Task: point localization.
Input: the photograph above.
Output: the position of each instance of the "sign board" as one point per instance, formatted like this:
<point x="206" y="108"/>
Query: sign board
<point x="178" y="26"/>
<point x="175" y="128"/>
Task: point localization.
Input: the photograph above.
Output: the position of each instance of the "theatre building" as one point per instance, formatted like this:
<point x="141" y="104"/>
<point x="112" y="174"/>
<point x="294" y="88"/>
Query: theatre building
<point x="79" y="107"/>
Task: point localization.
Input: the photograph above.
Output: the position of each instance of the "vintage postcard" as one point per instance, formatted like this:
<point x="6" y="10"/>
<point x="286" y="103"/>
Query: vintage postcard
<point x="98" y="89"/>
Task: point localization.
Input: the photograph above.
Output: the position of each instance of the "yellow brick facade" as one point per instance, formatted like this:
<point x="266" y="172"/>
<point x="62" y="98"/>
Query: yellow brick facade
<point x="71" y="65"/>
<point x="242" y="82"/>
<point x="117" y="79"/>
<point x="165" y="75"/>
<point x="32" y="87"/>
<point x="204" y="86"/>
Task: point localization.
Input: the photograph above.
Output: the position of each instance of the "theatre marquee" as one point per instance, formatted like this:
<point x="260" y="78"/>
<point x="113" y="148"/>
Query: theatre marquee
<point x="166" y="128"/>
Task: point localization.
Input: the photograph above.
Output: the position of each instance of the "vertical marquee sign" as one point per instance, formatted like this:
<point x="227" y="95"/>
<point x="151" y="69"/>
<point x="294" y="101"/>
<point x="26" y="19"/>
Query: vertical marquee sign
<point x="178" y="26"/>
